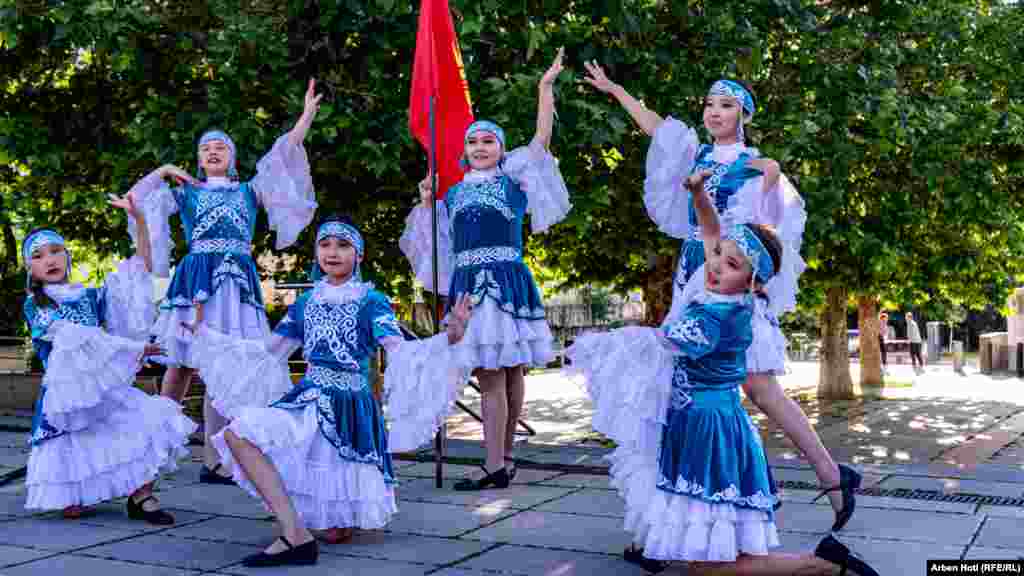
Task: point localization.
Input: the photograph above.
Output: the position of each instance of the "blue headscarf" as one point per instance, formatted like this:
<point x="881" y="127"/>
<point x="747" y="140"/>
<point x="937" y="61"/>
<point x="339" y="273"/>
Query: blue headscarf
<point x="483" y="126"/>
<point x="37" y="240"/>
<point x="756" y="252"/>
<point x="741" y="94"/>
<point x="212" y="135"/>
<point x="344" y="232"/>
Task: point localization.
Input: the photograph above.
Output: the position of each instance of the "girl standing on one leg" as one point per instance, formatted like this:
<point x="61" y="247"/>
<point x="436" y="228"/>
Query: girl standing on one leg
<point x="95" y="436"/>
<point x="744" y="188"/>
<point x="689" y="462"/>
<point x="216" y="283"/>
<point x="319" y="456"/>
<point x="481" y="219"/>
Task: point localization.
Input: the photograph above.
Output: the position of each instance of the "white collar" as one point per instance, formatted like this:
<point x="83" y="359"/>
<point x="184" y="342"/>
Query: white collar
<point x="706" y="296"/>
<point x="480" y="175"/>
<point x="218" y="182"/>
<point x="63" y="291"/>
<point x="727" y="153"/>
<point x="348" y="291"/>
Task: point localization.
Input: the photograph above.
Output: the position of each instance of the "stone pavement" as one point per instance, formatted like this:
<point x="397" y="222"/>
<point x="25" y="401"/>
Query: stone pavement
<point x="548" y="523"/>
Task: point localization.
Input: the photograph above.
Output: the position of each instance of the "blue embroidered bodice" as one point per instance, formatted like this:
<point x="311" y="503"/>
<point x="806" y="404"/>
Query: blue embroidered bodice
<point x="486" y="220"/>
<point x="338" y="339"/>
<point x="88" y="309"/>
<point x="723" y="184"/>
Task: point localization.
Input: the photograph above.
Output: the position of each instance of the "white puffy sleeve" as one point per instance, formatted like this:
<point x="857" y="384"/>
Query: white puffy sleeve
<point x="670" y="160"/>
<point x="129" y="307"/>
<point x="536" y="171"/>
<point x="284" y="186"/>
<point x="157" y="202"/>
<point x="422" y="381"/>
<point x="416" y="244"/>
<point x="783" y="208"/>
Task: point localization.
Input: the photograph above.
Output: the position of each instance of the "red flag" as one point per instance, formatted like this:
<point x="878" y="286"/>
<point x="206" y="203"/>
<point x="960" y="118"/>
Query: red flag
<point x="437" y="71"/>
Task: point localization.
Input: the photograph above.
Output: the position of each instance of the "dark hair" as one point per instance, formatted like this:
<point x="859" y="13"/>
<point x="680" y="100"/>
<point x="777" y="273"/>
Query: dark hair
<point x="768" y="237"/>
<point x="35" y="287"/>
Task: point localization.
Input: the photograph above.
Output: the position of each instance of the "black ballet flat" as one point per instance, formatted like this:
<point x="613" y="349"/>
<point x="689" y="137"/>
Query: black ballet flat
<point x="839" y="554"/>
<point x="635" y="555"/>
<point x="210" y="476"/>
<point x="301" y="555"/>
<point x="497" y="479"/>
<point x="849" y="481"/>
<point x="158" y="517"/>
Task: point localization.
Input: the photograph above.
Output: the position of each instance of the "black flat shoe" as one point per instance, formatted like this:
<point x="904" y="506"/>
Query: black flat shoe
<point x="635" y="555"/>
<point x="512" y="474"/>
<point x="137" y="512"/>
<point x="849" y="481"/>
<point x="497" y="479"/>
<point x="837" y="553"/>
<point x="301" y="555"/>
<point x="210" y="476"/>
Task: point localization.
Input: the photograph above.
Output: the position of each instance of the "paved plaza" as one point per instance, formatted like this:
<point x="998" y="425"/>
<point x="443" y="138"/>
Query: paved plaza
<point x="942" y="457"/>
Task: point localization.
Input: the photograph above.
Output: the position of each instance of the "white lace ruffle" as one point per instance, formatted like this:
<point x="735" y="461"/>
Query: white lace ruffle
<point x="238" y="372"/>
<point x="326" y="490"/>
<point x="783" y="287"/>
<point x="670" y="159"/>
<point x="157" y="202"/>
<point x="494" y="339"/>
<point x="85" y="365"/>
<point x="139" y="438"/>
<point x="767" y="351"/>
<point x="536" y="171"/>
<point x="417" y="246"/>
<point x="284" y="186"/>
<point x="422" y="382"/>
<point x="131" y="309"/>
<point x="675" y="527"/>
<point x="628" y="375"/>
<point x="223" y="312"/>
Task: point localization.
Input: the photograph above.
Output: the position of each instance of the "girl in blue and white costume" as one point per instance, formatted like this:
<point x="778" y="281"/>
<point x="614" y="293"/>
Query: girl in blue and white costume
<point x="480" y="246"/>
<point x="95" y="436"/>
<point x="216" y="284"/>
<point x="744" y="188"/>
<point x="319" y="456"/>
<point x="689" y="462"/>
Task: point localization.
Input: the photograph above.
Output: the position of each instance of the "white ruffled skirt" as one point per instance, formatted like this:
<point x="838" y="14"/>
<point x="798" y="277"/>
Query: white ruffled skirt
<point x="223" y="312"/>
<point x="238" y="372"/>
<point x="326" y="490"/>
<point x="139" y="437"/>
<point x="495" y="339"/>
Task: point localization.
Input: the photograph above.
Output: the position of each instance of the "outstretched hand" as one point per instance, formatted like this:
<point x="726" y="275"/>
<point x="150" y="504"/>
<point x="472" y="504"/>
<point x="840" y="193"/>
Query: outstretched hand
<point x="312" y="99"/>
<point x="695" y="182"/>
<point x="596" y="78"/>
<point x="153" y="350"/>
<point x="556" y="68"/>
<point x="179" y="175"/>
<point x="458" y="318"/>
<point x="426" y="193"/>
<point x="126" y="203"/>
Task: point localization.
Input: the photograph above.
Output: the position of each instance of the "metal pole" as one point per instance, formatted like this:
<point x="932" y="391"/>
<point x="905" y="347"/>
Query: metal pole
<point x="439" y="440"/>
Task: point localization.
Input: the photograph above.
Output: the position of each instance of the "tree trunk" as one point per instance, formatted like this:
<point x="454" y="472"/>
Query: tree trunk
<point x="870" y="352"/>
<point x="834" y="380"/>
<point x="658" y="290"/>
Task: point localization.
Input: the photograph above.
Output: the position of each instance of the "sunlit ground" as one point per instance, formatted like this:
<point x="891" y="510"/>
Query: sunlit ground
<point x="935" y="417"/>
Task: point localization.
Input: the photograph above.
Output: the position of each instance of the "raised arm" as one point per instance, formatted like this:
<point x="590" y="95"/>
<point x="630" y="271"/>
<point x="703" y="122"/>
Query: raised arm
<point x="648" y="120"/>
<point x="707" y="215"/>
<point x="546" y="101"/>
<point x="142" y="245"/>
<point x="312" y="104"/>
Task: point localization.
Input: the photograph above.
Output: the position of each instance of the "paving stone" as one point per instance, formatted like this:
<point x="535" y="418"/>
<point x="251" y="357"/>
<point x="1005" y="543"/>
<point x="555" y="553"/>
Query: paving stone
<point x="796" y="543"/>
<point x="165" y="550"/>
<point x="1002" y="511"/>
<point x="427" y="470"/>
<point x="13" y="457"/>
<point x="588" y="503"/>
<point x="14" y="505"/>
<point x="460" y="572"/>
<point x="900" y="557"/>
<point x="422" y="518"/>
<point x="75" y="564"/>
<point x="984" y="553"/>
<point x="11" y="555"/>
<point x="908" y="525"/>
<point x="13" y="439"/>
<point x="517" y="496"/>
<point x="337" y="566"/>
<point x="520" y="560"/>
<point x="226" y="529"/>
<point x="569" y="456"/>
<point x="1002" y="533"/>
<point x="890" y="503"/>
<point x="806" y="496"/>
<point x="554" y="530"/>
<point x="580" y="481"/>
<point x="405" y="548"/>
<point x="951" y="485"/>
<point x="214" y="499"/>
<point x="56" y="534"/>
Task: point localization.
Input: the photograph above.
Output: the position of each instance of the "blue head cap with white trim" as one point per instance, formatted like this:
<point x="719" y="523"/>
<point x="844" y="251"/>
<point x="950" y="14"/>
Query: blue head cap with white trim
<point x="756" y="252"/>
<point x="483" y="126"/>
<point x="344" y="232"/>
<point x="35" y="241"/>
<point x="735" y="90"/>
<point x="212" y="135"/>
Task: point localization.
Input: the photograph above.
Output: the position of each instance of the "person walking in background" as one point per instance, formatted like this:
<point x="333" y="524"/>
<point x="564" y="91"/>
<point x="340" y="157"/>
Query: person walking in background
<point x="883" y="336"/>
<point x="914" y="335"/>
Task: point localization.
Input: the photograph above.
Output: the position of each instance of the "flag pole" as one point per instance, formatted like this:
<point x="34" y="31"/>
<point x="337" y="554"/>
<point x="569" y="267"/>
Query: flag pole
<point x="439" y="439"/>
